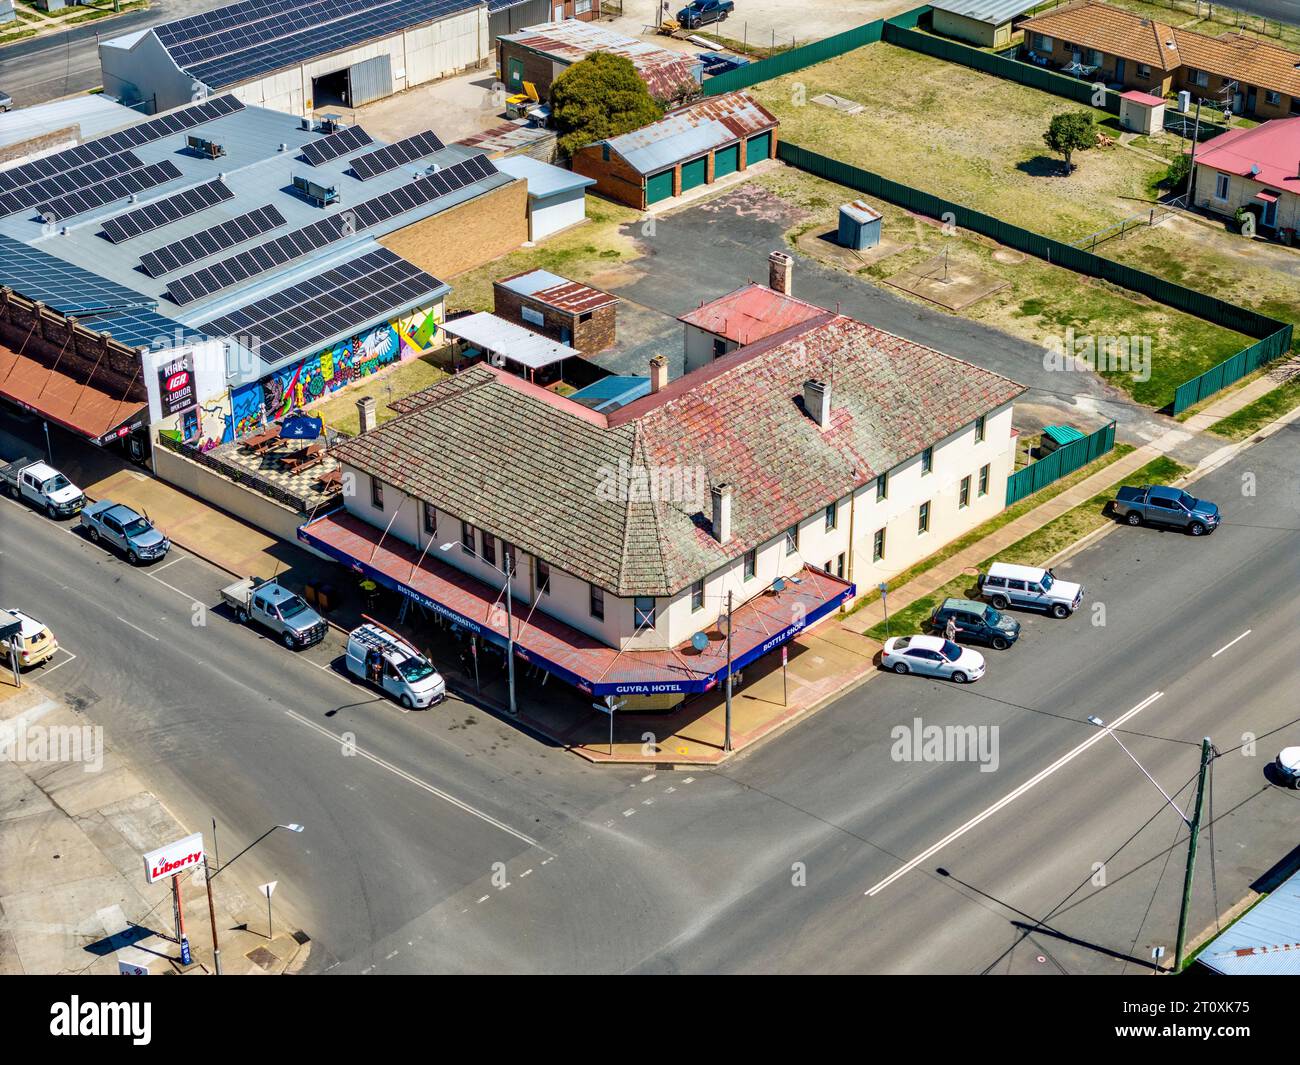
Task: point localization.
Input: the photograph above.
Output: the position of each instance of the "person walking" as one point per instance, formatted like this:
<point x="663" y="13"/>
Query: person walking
<point x="950" y="630"/>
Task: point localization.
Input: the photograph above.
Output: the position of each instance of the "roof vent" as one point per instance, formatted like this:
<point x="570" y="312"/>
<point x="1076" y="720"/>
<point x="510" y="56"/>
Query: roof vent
<point x="133" y="198"/>
<point x="320" y="195"/>
<point x="204" y="147"/>
<point x="283" y="147"/>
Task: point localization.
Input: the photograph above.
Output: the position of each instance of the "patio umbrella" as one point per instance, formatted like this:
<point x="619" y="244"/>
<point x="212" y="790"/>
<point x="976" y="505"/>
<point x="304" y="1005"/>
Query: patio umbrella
<point x="301" y="427"/>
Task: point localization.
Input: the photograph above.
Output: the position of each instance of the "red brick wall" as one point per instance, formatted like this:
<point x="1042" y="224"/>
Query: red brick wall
<point x="595" y="334"/>
<point x="614" y="178"/>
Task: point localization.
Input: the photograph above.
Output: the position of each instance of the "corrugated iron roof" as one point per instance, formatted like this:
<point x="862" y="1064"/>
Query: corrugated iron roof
<point x="1265" y="941"/>
<point x="751" y="313"/>
<point x="572" y="297"/>
<point x="994" y="12"/>
<point x="516" y="343"/>
<point x="692" y="131"/>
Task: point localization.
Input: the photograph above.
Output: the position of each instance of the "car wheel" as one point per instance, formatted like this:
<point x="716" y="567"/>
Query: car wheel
<point x="50" y="512"/>
<point x="901" y="668"/>
<point x="1000" y="643"/>
<point x="959" y="677"/>
<point x="133" y="558"/>
<point x="288" y="640"/>
<point x="999" y="602"/>
<point x="241" y="615"/>
<point x="1134" y="518"/>
<point x="1060" y="611"/>
<point x="1196" y="528"/>
<point x="405" y="700"/>
<point x="94" y="535"/>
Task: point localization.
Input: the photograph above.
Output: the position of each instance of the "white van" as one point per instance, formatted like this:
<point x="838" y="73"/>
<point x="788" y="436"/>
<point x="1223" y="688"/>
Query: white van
<point x="385" y="661"/>
<point x="1030" y="586"/>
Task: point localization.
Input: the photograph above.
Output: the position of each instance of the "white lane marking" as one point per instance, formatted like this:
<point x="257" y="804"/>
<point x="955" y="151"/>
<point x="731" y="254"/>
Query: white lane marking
<point x="648" y="776"/>
<point x="483" y="899"/>
<point x="458" y="803"/>
<point x="179" y="558"/>
<point x="628" y="813"/>
<point x="50" y="669"/>
<point x="185" y="595"/>
<point x="1227" y="645"/>
<point x="142" y="632"/>
<point x="1006" y="800"/>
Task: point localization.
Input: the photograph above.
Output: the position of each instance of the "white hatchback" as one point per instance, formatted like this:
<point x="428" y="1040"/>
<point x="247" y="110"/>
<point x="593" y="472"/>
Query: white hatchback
<point x="932" y="656"/>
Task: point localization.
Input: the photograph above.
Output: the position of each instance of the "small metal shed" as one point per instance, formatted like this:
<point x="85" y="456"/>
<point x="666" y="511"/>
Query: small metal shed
<point x="859" y="226"/>
<point x="1141" y="112"/>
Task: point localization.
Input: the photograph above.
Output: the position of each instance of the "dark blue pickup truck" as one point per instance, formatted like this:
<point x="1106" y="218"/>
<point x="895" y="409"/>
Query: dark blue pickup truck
<point x="1159" y="505"/>
<point x="701" y="12"/>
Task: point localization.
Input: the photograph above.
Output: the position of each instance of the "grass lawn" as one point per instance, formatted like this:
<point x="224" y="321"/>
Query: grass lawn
<point x="1194" y="17"/>
<point x="996" y="522"/>
<point x="1254" y="416"/>
<point x="1040" y="301"/>
<point x="1034" y="549"/>
<point x="392" y="383"/>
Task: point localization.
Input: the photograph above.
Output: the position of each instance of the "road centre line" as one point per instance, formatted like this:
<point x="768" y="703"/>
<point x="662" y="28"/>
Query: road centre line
<point x="1227" y="645"/>
<point x="458" y="803"/>
<point x="1012" y="796"/>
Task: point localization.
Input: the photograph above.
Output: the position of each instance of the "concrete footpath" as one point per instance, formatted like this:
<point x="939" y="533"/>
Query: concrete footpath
<point x="75" y="822"/>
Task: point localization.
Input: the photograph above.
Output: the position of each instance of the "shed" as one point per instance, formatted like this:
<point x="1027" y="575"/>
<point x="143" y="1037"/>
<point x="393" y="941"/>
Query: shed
<point x="1141" y="112"/>
<point x="1057" y="436"/>
<point x="511" y="346"/>
<point x="1264" y="941"/>
<point x="557" y="198"/>
<point x="859" y="226"/>
<point x="986" y="23"/>
<point x="568" y="311"/>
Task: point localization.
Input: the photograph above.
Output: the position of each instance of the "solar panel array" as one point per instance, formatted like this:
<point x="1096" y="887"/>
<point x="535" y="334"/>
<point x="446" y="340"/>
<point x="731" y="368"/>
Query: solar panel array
<point x="141" y="328"/>
<point x="165" y="211"/>
<point x="337" y="302"/>
<point x="68" y="181"/>
<point x="338" y="226"/>
<point x="336" y="144"/>
<point x="146" y="177"/>
<point x="396" y="154"/>
<point x="68" y="289"/>
<point x="212" y="241"/>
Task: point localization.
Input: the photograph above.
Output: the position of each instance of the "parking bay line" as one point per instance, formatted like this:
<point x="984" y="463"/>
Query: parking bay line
<point x="1012" y="796"/>
<point x="143" y="632"/>
<point x="458" y="803"/>
<point x="1227" y="645"/>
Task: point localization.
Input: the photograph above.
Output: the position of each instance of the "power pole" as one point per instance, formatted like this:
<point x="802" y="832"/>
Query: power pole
<point x="1194" y="827"/>
<point x="1191" y="164"/>
<point x="726" y="743"/>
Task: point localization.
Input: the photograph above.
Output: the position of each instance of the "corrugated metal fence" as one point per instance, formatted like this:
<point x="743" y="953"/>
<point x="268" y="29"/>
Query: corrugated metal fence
<point x="1246" y="361"/>
<point x="1063" y="460"/>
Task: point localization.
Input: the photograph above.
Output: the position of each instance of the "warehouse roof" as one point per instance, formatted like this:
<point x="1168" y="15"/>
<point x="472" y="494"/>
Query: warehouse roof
<point x="253" y="38"/>
<point x="92" y="114"/>
<point x="994" y="12"/>
<point x="693" y="130"/>
<point x="543" y="178"/>
<point x="536" y="469"/>
<point x="1265" y="941"/>
<point x="213" y="232"/>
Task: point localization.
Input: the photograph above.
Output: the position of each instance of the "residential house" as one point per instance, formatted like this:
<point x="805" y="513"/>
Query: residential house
<point x="1257" y="169"/>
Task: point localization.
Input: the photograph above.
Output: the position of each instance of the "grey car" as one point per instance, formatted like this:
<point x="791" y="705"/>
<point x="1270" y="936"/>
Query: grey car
<point x="6" y="101"/>
<point x="121" y="527"/>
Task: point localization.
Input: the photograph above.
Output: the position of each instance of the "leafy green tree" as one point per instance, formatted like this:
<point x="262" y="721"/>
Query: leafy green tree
<point x="1176" y="176"/>
<point x="1070" y="132"/>
<point x="601" y="96"/>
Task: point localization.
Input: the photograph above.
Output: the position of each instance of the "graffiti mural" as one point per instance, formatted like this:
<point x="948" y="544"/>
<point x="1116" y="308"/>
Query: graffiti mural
<point x="320" y="375"/>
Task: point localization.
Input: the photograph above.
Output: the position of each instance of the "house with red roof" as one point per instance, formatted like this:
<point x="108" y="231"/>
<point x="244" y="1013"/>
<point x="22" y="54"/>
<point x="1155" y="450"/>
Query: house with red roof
<point x="1257" y="169"/>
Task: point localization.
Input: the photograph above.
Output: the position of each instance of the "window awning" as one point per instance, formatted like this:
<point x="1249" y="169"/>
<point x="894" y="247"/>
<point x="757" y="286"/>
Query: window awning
<point x="85" y="409"/>
<point x="761" y="625"/>
<point x="1266" y="196"/>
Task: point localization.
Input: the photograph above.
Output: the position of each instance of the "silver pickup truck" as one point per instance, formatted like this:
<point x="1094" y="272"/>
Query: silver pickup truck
<point x="121" y="527"/>
<point x="277" y="609"/>
<point x="43" y="487"/>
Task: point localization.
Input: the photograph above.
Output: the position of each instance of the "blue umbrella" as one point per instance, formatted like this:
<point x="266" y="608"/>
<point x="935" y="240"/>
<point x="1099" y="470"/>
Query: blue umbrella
<point x="301" y="427"/>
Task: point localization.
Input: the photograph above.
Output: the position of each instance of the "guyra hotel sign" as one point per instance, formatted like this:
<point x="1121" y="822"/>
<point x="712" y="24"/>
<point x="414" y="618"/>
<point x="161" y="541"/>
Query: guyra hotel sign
<point x="174" y="858"/>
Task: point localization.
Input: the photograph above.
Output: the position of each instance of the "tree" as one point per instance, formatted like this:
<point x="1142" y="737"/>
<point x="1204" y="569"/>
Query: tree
<point x="1070" y="132"/>
<point x="601" y="96"/>
<point x="1175" y="178"/>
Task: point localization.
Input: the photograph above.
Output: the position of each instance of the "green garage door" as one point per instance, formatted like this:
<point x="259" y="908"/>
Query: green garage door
<point x="659" y="187"/>
<point x="694" y="173"/>
<point x="758" y="148"/>
<point x="726" y="161"/>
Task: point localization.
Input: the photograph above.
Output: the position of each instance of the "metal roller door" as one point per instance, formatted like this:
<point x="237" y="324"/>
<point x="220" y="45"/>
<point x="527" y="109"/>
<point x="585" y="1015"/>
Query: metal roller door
<point x="726" y="161"/>
<point x="370" y="80"/>
<point x="758" y="148"/>
<point x="695" y="173"/>
<point x="659" y="187"/>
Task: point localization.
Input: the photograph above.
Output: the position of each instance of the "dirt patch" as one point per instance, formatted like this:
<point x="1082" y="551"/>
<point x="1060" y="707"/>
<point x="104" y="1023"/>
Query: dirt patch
<point x="950" y="282"/>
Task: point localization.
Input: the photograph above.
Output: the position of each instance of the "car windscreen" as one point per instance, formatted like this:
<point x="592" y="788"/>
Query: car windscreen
<point x="414" y="669"/>
<point x="992" y="616"/>
<point x="291" y="608"/>
<point x="951" y="651"/>
<point x="1188" y="501"/>
<point x="136" y="527"/>
<point x="55" y="483"/>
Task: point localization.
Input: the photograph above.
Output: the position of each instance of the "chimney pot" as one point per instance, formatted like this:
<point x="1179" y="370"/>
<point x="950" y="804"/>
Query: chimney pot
<point x="817" y="402"/>
<point x="780" y="272"/>
<point x="366" y="417"/>
<point x="658" y="373"/>
<point x="722" y="513"/>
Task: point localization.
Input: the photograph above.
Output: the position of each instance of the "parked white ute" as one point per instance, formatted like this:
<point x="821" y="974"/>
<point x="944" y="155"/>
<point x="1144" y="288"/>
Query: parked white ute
<point x="932" y="656"/>
<point x="385" y="661"/>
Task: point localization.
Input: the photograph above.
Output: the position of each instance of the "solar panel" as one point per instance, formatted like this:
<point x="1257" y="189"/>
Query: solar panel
<point x="336" y="144"/>
<point x="371" y="288"/>
<point x="147" y="177"/>
<point x="338" y="226"/>
<point x="165" y="211"/>
<point x="68" y="182"/>
<point x="141" y="328"/>
<point x="395" y="154"/>
<point x="212" y="241"/>
<point x="68" y="289"/>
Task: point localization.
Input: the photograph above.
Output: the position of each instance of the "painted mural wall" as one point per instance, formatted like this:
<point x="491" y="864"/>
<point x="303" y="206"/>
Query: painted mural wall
<point x="226" y="417"/>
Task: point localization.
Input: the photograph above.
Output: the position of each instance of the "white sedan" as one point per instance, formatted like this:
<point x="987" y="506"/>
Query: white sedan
<point x="932" y="656"/>
<point x="1288" y="765"/>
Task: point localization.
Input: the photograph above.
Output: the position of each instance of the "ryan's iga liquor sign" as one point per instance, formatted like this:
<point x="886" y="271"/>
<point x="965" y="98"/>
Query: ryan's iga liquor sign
<point x="174" y="858"/>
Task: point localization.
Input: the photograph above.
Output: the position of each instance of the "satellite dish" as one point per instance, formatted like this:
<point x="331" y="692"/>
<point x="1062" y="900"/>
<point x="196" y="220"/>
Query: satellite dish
<point x="700" y="641"/>
<point x="778" y="585"/>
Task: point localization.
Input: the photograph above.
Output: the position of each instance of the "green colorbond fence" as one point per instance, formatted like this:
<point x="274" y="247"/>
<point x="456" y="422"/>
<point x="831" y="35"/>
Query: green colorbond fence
<point x="1063" y="460"/>
<point x="1246" y="361"/>
<point x="796" y="59"/>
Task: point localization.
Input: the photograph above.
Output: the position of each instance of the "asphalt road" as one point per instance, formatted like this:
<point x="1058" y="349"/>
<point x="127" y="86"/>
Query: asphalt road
<point x="451" y="842"/>
<point x="1280" y="10"/>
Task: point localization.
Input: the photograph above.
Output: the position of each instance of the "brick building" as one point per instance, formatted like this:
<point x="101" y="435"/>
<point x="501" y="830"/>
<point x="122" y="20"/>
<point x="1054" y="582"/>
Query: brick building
<point x="689" y="147"/>
<point x="567" y="311"/>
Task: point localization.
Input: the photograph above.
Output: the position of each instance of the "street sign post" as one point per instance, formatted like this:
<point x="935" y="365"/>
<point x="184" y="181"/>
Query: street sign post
<point x="267" y="890"/>
<point x="884" y="604"/>
<point x="785" y="687"/>
<point x="610" y="704"/>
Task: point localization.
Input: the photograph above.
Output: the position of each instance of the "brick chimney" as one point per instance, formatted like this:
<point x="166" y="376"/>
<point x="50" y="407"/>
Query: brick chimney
<point x="658" y="373"/>
<point x="817" y="402"/>
<point x="780" y="272"/>
<point x="722" y="513"/>
<point x="366" y="417"/>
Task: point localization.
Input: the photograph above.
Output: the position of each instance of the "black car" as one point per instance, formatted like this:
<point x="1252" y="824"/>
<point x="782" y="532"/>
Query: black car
<point x="701" y="12"/>
<point x="976" y="623"/>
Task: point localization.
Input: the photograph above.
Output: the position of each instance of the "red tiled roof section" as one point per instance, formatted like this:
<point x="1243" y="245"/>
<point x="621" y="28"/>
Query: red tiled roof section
<point x="751" y="313"/>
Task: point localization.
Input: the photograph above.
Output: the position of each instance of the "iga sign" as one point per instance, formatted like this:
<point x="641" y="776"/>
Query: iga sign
<point x="176" y="384"/>
<point x="174" y="858"/>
